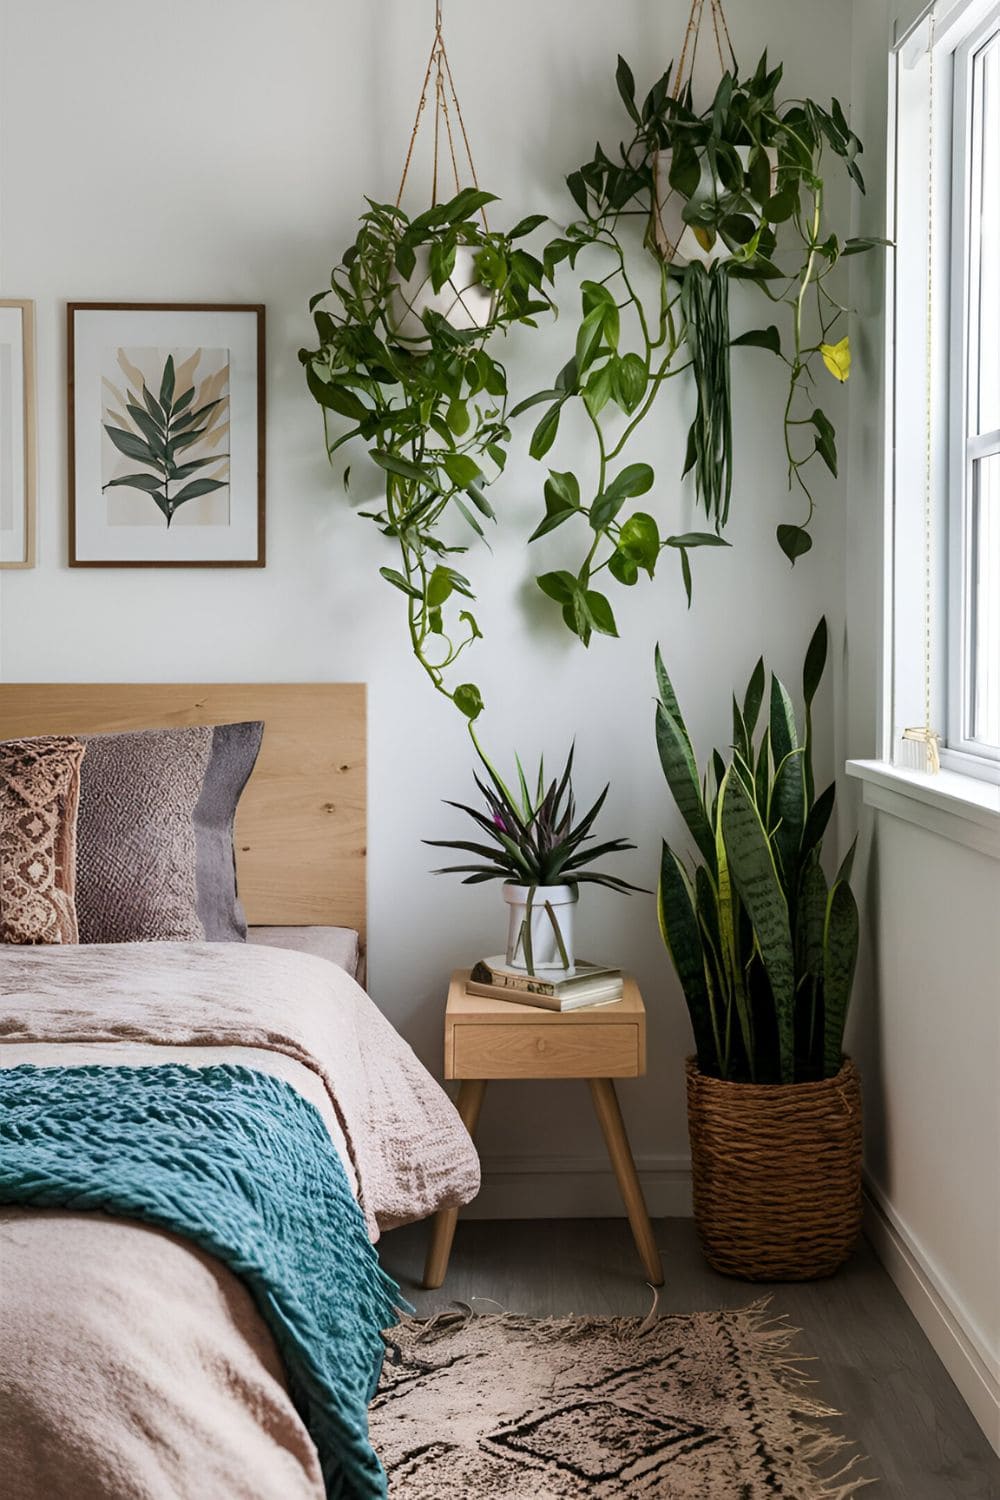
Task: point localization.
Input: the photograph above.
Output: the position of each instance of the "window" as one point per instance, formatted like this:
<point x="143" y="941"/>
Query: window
<point x="943" y="585"/>
<point x="974" y="398"/>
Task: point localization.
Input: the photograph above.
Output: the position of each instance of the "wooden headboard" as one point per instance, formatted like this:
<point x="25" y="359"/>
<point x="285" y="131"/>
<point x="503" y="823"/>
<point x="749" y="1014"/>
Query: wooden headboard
<point x="301" y="824"/>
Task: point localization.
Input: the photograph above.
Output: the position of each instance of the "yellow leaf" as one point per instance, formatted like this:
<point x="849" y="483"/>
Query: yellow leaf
<point x="837" y="358"/>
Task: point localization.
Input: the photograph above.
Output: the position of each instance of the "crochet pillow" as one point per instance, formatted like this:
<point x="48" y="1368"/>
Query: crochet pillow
<point x="39" y="792"/>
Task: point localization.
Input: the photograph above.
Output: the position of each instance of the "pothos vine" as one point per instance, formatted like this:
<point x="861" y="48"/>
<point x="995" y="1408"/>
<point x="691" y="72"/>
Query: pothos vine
<point x="405" y="348"/>
<point x="731" y="176"/>
<point x="430" y="402"/>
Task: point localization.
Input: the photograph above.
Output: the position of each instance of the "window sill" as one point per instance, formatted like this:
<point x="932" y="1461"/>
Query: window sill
<point x="961" y="808"/>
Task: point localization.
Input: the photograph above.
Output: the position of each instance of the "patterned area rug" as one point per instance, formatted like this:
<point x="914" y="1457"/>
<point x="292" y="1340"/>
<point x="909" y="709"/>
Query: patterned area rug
<point x="708" y="1406"/>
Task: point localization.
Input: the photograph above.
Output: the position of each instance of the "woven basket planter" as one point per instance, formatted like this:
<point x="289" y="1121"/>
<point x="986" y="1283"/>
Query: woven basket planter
<point x="776" y="1174"/>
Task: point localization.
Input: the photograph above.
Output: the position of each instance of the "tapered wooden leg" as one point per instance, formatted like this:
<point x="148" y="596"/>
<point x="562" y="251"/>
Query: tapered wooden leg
<point x="602" y="1091"/>
<point x="470" y="1102"/>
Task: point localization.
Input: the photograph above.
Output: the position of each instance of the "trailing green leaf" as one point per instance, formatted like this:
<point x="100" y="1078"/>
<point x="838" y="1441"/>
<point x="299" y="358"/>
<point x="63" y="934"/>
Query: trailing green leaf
<point x="427" y="402"/>
<point x="740" y="170"/>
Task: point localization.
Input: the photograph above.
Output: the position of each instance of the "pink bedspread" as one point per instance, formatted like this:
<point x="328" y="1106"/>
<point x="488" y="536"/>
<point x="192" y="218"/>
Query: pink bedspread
<point x="408" y="1147"/>
<point x="131" y="1364"/>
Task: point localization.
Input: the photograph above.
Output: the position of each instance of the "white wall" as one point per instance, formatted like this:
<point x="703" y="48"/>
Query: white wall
<point x="220" y="152"/>
<point x="927" y="1021"/>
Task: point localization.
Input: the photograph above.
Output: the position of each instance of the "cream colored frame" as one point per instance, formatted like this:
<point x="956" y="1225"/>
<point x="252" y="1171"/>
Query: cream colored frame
<point x="28" y="351"/>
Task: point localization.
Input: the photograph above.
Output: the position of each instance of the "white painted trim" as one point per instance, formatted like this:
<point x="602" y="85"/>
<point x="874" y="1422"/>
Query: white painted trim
<point x="960" y="808"/>
<point x="562" y="1187"/>
<point x="535" y="1187"/>
<point x="952" y="1333"/>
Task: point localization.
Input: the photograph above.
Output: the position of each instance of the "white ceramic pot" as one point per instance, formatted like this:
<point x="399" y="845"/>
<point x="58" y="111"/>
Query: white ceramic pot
<point x="557" y="899"/>
<point x="462" y="300"/>
<point x="675" y="240"/>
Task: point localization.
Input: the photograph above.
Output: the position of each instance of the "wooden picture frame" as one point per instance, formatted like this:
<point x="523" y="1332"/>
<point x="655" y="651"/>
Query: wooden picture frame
<point x="17" y="433"/>
<point x="135" y="369"/>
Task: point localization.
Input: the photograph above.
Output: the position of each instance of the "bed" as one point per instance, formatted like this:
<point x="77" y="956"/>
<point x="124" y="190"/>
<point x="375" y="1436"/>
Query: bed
<point x="163" y="1346"/>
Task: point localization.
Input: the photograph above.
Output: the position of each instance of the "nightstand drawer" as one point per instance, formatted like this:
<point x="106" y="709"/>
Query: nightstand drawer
<point x="546" y="1051"/>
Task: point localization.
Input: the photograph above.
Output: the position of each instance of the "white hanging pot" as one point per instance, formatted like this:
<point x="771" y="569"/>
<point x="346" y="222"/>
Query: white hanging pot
<point x="463" y="300"/>
<point x="677" y="241"/>
<point x="551" y="907"/>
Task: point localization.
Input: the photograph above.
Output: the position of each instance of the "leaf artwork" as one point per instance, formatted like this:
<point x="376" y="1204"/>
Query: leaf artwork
<point x="169" y="421"/>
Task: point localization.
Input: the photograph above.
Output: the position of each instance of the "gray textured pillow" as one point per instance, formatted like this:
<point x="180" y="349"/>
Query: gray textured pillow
<point x="155" y="834"/>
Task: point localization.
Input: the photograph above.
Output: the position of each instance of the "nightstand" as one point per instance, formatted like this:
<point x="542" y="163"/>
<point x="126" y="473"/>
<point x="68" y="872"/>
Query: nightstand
<point x="486" y="1039"/>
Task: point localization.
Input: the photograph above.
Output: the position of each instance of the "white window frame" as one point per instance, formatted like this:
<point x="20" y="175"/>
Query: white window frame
<point x="962" y="803"/>
<point x="966" y="443"/>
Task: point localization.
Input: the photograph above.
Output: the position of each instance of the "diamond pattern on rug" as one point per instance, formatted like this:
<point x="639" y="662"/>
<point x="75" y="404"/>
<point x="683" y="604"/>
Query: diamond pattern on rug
<point x="594" y="1440"/>
<point x="701" y="1407"/>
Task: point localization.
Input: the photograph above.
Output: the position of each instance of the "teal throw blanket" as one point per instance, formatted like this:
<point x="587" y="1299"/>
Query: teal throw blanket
<point x="242" y="1165"/>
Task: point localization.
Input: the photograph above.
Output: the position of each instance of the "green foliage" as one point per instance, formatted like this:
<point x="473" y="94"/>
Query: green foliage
<point x="721" y="170"/>
<point x="431" y="412"/>
<point x="705" y="310"/>
<point x="160" y="429"/>
<point x="535" y="837"/>
<point x="764" y="949"/>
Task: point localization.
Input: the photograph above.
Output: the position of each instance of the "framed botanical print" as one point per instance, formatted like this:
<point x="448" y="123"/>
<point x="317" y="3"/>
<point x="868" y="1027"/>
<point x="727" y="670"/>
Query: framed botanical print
<point x="166" y="435"/>
<point x="17" y="434"/>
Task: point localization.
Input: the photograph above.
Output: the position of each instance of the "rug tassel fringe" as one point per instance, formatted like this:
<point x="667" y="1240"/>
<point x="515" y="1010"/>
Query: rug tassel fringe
<point x="770" y="1336"/>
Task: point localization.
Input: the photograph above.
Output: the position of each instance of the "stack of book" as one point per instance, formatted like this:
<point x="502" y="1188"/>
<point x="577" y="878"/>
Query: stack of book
<point x="584" y="984"/>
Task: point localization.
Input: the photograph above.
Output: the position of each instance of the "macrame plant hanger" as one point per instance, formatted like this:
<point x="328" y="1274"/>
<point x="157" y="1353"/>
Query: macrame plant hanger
<point x="692" y="33"/>
<point x="448" y="121"/>
<point x="667" y="233"/>
<point x="921" y="743"/>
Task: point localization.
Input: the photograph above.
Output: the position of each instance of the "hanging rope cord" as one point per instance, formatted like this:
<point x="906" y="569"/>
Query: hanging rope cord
<point x="925" y="733"/>
<point x="683" y="77"/>
<point x="445" y="105"/>
<point x="689" y="50"/>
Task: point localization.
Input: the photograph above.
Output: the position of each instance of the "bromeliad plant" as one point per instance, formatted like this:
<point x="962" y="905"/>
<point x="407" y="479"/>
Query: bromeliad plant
<point x="535" y="840"/>
<point x="736" y="192"/>
<point x="764" y="947"/>
<point x="402" y="368"/>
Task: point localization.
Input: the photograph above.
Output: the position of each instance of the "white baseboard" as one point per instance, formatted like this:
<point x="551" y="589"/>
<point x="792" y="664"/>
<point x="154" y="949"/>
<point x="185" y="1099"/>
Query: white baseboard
<point x="556" y="1187"/>
<point x="953" y="1335"/>
<point x="567" y="1187"/>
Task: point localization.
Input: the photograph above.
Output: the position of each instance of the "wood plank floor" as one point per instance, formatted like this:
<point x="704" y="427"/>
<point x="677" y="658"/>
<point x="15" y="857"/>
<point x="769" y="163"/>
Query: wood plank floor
<point x="873" y="1362"/>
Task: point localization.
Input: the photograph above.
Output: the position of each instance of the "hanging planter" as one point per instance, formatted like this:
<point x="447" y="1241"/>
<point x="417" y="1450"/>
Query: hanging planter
<point x="736" y="191"/>
<point x="463" y="300"/>
<point x="403" y="370"/>
<point x="680" y="242"/>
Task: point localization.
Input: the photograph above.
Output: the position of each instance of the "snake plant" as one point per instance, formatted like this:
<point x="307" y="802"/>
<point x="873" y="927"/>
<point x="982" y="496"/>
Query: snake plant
<point x="764" y="946"/>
